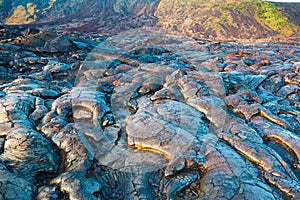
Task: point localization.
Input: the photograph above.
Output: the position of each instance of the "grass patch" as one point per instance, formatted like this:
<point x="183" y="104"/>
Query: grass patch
<point x="269" y="15"/>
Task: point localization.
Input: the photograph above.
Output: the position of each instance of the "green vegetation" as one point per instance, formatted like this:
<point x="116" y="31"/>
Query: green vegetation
<point x="0" y="2"/>
<point x="267" y="14"/>
<point x="190" y="16"/>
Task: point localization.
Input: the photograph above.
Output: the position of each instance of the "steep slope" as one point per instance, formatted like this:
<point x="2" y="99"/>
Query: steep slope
<point x="224" y="19"/>
<point x="217" y="19"/>
<point x="292" y="12"/>
<point x="105" y="16"/>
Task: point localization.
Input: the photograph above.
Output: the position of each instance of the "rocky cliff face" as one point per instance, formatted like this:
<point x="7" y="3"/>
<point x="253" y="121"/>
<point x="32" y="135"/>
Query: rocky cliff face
<point x="243" y="19"/>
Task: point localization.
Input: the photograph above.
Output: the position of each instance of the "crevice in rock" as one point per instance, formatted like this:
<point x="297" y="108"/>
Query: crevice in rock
<point x="287" y="156"/>
<point x="2" y="143"/>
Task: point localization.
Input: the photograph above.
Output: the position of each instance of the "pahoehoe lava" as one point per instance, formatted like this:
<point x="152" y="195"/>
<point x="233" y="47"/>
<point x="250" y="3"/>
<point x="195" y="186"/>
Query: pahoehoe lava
<point x="147" y="114"/>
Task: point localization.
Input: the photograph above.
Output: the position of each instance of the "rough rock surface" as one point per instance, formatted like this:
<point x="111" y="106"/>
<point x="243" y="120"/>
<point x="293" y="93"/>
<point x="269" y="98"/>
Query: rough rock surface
<point x="147" y="115"/>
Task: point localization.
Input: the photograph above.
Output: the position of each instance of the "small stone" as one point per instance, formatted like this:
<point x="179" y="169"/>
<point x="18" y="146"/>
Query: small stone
<point x="56" y="67"/>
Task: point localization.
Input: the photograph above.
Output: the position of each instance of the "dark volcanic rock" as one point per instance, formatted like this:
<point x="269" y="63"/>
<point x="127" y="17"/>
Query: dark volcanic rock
<point x="13" y="187"/>
<point x="148" y="114"/>
<point x="36" y="154"/>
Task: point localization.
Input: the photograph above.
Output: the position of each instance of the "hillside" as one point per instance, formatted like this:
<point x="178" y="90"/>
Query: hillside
<point x="104" y="16"/>
<point x="218" y="19"/>
<point x="291" y="11"/>
<point x="230" y="19"/>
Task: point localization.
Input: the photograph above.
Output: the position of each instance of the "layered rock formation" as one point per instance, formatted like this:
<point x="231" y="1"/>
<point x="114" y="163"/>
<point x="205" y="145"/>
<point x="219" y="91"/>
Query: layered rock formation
<point x="147" y="114"/>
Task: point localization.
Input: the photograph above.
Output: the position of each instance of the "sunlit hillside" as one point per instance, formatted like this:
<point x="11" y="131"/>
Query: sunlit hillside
<point x="245" y="18"/>
<point x="222" y="19"/>
<point x="24" y="11"/>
